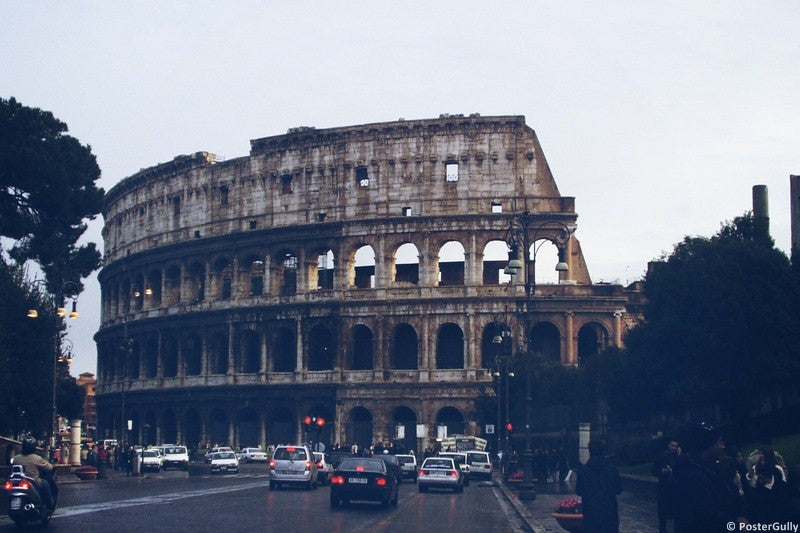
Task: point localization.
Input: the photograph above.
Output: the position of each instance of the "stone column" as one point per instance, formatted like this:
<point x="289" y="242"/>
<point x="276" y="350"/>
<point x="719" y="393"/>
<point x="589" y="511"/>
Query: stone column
<point x="570" y="341"/>
<point x="75" y="442"/>
<point x="584" y="432"/>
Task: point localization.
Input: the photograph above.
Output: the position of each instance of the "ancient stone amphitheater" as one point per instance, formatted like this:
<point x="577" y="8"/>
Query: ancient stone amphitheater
<point x="354" y="274"/>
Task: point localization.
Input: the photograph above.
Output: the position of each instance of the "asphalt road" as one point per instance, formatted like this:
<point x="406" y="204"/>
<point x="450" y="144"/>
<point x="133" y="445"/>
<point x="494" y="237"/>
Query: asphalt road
<point x="198" y="502"/>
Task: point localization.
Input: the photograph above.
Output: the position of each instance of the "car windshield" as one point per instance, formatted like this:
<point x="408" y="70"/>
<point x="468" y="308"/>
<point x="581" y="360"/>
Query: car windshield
<point x="290" y="454"/>
<point x="362" y="465"/>
<point x="438" y="463"/>
<point x="476" y="457"/>
<point x="149" y="453"/>
<point x="318" y="456"/>
<point x="225" y="455"/>
<point x="175" y="450"/>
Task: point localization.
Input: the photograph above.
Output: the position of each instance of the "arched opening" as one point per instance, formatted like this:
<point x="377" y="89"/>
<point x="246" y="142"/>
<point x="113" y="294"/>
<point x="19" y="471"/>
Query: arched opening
<point x="495" y="260"/>
<point x="592" y="339"/>
<point x="133" y="361"/>
<point x="403" y="429"/>
<point x="406" y="345"/>
<point x="223" y="273"/>
<point x="362" y="358"/>
<point x="173" y="285"/>
<point x="544" y="265"/>
<point x="406" y="264"/>
<point x="219" y="353"/>
<point x="365" y="268"/>
<point x="150" y="429"/>
<point x="249" y="352"/>
<point x="284" y="350"/>
<point x="450" y="347"/>
<point x="218" y="428"/>
<point x="321" y="349"/>
<point x="281" y="427"/>
<point x="251" y="275"/>
<point x="152" y="289"/>
<point x="451" y="420"/>
<point x="192" y="429"/>
<point x="169" y="354"/>
<point x="150" y="358"/>
<point x="248" y="428"/>
<point x="451" y="264"/>
<point x="169" y="427"/>
<point x="287" y="273"/>
<point x="321" y="277"/>
<point x="193" y="355"/>
<point x="138" y="293"/>
<point x="197" y="282"/>
<point x="545" y="340"/>
<point x="359" y="430"/>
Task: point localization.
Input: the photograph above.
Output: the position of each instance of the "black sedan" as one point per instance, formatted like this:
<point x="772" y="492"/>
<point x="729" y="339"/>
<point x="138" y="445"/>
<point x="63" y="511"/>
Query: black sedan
<point x="363" y="478"/>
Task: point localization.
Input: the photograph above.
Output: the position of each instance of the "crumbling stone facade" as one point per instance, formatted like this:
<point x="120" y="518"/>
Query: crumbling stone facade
<point x="350" y="273"/>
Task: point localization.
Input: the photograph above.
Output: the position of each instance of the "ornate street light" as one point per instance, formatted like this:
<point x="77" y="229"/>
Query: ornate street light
<point x="518" y="236"/>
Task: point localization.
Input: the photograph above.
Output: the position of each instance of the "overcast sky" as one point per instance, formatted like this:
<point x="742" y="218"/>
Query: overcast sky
<point x="658" y="117"/>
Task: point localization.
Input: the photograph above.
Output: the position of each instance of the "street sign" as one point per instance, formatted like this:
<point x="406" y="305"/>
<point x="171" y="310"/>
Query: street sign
<point x="490" y="429"/>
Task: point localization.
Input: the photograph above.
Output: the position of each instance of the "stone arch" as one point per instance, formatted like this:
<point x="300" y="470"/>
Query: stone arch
<point x="172" y="285"/>
<point x="495" y="260"/>
<point x="134" y="359"/>
<point x="450" y="346"/>
<point x="545" y="340"/>
<point x="137" y="292"/>
<point x="321" y="272"/>
<point x="406" y="264"/>
<point x="405" y="352"/>
<point x="359" y="428"/>
<point x="452" y="419"/>
<point x="192" y="352"/>
<point x="192" y="428"/>
<point x="169" y="356"/>
<point x="218" y="427"/>
<point x="197" y="282"/>
<point x="223" y="276"/>
<point x="218" y="352"/>
<point x="451" y="263"/>
<point x="150" y="357"/>
<point x="251" y="274"/>
<point x="284" y="350"/>
<point x="491" y="349"/>
<point x="152" y="287"/>
<point x="247" y="426"/>
<point x="249" y="352"/>
<point x="169" y="427"/>
<point x="405" y="418"/>
<point x="281" y="427"/>
<point x="592" y="339"/>
<point x="321" y="348"/>
<point x="545" y="252"/>
<point x="285" y="272"/>
<point x="150" y="428"/>
<point x="362" y="348"/>
<point x="364" y="268"/>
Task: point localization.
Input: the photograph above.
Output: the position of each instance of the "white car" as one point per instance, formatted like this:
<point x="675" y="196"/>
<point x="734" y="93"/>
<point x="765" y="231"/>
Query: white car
<point x="250" y="455"/>
<point x="175" y="456"/>
<point x="461" y="459"/>
<point x="408" y="466"/>
<point x="480" y="464"/>
<point x="224" y="462"/>
<point x="152" y="460"/>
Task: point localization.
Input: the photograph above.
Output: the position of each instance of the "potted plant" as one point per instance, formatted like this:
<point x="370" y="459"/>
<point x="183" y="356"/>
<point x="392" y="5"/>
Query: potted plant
<point x="569" y="514"/>
<point x="86" y="472"/>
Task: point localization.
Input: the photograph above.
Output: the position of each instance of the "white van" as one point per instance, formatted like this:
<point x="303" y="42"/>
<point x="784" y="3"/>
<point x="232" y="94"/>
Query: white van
<point x="175" y="456"/>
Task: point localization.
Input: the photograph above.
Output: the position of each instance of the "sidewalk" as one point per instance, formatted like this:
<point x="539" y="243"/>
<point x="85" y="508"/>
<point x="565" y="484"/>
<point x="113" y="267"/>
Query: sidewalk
<point x="637" y="506"/>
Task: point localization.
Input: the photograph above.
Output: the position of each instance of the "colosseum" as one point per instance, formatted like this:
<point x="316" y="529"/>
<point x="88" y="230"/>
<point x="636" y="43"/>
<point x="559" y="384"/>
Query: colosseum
<point x="359" y="274"/>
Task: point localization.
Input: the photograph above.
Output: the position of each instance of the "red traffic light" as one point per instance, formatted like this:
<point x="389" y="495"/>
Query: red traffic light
<point x="320" y="421"/>
<point x="307" y="420"/>
<point x="509" y="427"/>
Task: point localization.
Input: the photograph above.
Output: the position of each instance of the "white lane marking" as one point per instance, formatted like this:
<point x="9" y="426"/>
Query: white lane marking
<point x="150" y="500"/>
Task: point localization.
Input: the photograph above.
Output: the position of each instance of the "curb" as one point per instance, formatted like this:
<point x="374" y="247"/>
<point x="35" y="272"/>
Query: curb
<point x="521" y="510"/>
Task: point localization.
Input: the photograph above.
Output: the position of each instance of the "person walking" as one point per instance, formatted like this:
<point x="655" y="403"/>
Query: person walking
<point x="662" y="469"/>
<point x="703" y="502"/>
<point x="598" y="485"/>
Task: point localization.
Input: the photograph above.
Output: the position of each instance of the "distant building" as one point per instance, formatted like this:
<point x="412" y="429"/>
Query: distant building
<point x="89" y="383"/>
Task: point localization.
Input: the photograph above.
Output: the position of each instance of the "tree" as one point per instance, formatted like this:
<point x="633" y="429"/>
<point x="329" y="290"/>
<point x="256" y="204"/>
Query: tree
<point x="47" y="191"/>
<point x="721" y="325"/>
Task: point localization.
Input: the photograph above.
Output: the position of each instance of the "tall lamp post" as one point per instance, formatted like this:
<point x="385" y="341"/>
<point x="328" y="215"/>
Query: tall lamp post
<point x="502" y="342"/>
<point x="522" y="229"/>
<point x="67" y="288"/>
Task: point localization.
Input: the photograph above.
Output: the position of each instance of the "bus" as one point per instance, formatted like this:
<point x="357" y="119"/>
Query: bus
<point x="463" y="443"/>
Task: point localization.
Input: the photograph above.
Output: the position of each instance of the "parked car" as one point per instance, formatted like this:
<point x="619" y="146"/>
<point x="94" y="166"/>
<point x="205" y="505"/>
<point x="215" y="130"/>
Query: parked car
<point x="440" y="472"/>
<point x="175" y="456"/>
<point x="324" y="468"/>
<point x="461" y="459"/>
<point x="250" y="455"/>
<point x="218" y="449"/>
<point x="224" y="462"/>
<point x="292" y="465"/>
<point x="151" y="460"/>
<point x="480" y="464"/>
<point x="364" y="478"/>
<point x="408" y="466"/>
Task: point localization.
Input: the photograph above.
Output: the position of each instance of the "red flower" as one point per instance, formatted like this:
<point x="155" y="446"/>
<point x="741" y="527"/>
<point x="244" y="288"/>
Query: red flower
<point x="569" y="506"/>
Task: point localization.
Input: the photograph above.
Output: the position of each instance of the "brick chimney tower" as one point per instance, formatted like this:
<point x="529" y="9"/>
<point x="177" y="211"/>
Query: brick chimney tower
<point x="794" y="198"/>
<point x="761" y="209"/>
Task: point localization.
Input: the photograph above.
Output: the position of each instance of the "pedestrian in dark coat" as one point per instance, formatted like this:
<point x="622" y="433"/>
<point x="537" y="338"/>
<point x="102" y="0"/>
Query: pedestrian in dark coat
<point x="598" y="485"/>
<point x="662" y="469"/>
<point x="703" y="502"/>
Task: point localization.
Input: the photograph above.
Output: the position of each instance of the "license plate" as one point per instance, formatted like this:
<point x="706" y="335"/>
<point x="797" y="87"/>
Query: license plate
<point x="16" y="503"/>
<point x="357" y="480"/>
<point x="438" y="474"/>
<point x="289" y="472"/>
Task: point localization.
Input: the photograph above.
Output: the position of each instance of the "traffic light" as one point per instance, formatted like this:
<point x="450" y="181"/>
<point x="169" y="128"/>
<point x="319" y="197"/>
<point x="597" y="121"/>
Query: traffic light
<point x="509" y="427"/>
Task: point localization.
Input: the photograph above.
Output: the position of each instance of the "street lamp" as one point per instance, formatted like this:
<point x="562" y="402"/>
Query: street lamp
<point x="502" y="342"/>
<point x="518" y="236"/>
<point x="67" y="288"/>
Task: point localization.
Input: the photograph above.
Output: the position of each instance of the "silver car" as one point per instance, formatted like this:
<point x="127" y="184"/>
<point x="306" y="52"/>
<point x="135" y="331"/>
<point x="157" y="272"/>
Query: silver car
<point x="440" y="472"/>
<point x="292" y="465"/>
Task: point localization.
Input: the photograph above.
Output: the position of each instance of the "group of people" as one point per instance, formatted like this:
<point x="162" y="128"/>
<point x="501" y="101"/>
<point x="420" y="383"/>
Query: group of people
<point x="704" y="486"/>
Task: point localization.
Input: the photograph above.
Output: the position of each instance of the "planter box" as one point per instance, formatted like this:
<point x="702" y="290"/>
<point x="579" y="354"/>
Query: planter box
<point x="570" y="522"/>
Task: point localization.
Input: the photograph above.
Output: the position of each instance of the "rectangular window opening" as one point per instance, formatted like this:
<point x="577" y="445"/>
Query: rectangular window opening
<point x="286" y="184"/>
<point x="223" y="195"/>
<point x="451" y="171"/>
<point x="253" y="224"/>
<point x="497" y="207"/>
<point x="362" y="177"/>
<point x="406" y="211"/>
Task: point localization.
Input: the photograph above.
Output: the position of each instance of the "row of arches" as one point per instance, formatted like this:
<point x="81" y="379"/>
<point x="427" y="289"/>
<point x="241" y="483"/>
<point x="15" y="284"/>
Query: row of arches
<point x="289" y="271"/>
<point x="288" y="346"/>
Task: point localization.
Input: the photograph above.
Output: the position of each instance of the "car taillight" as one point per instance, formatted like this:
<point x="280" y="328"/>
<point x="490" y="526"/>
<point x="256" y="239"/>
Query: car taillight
<point x="337" y="480"/>
<point x="453" y="473"/>
<point x="272" y="464"/>
<point x="24" y="484"/>
<point x="8" y="485"/>
<point x="319" y="464"/>
<point x="423" y="472"/>
<point x="381" y="481"/>
<point x="308" y="465"/>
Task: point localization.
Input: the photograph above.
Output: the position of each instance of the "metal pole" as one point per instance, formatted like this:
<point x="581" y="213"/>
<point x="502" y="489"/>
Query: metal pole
<point x="526" y="489"/>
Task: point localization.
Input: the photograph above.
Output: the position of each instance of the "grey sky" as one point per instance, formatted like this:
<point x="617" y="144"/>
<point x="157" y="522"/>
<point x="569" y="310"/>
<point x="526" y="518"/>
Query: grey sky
<point x="658" y="117"/>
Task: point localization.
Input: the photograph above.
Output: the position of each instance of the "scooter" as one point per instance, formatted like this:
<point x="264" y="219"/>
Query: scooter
<point x="25" y="504"/>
